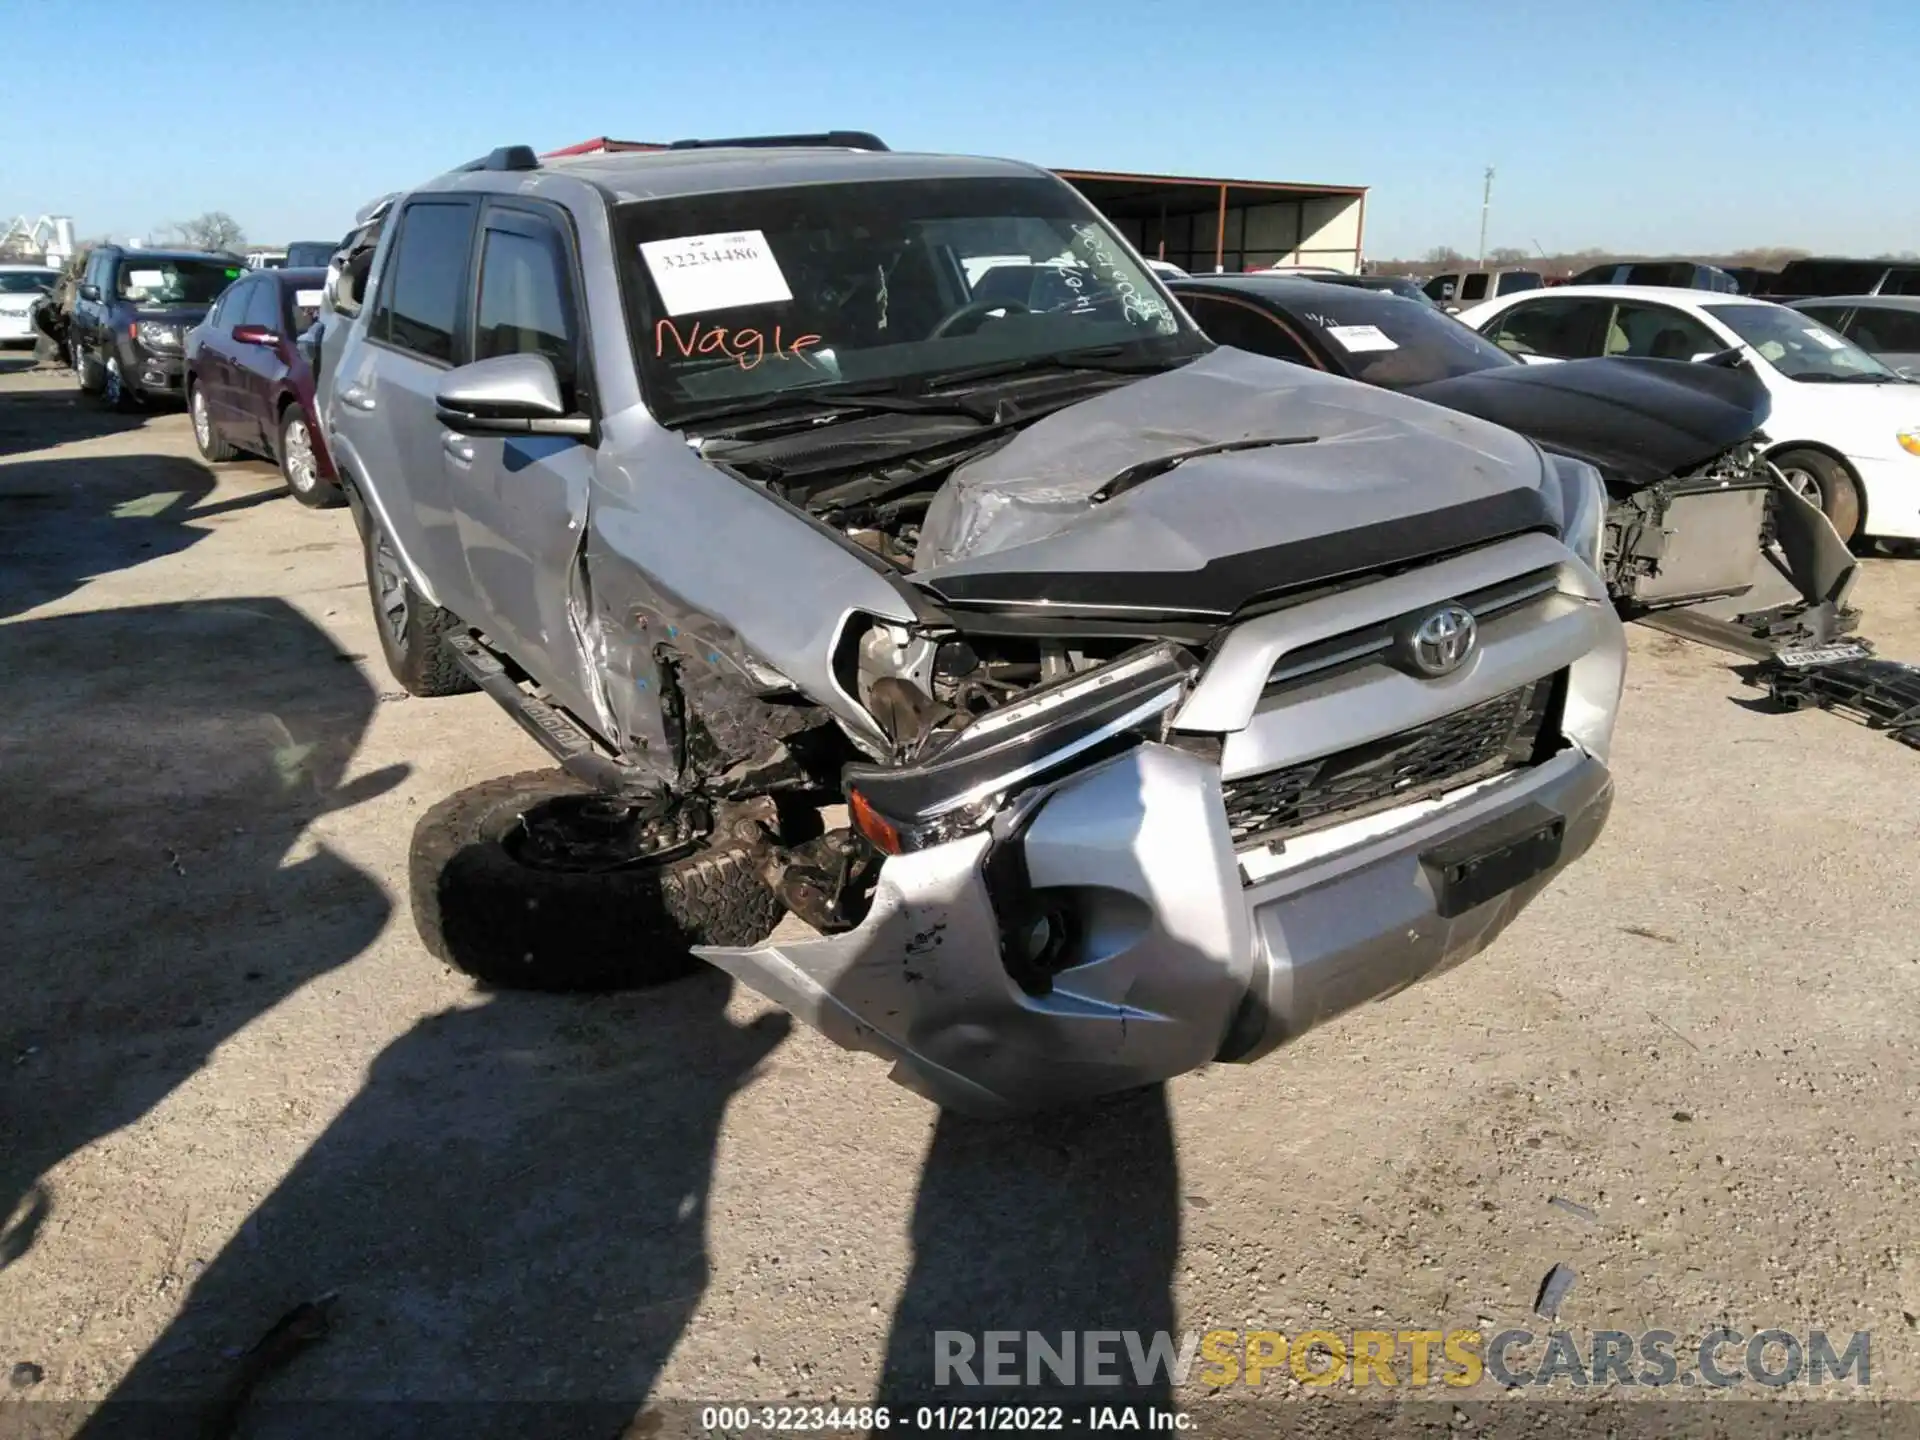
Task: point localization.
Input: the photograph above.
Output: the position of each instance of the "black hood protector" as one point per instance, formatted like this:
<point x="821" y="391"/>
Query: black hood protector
<point x="1637" y="421"/>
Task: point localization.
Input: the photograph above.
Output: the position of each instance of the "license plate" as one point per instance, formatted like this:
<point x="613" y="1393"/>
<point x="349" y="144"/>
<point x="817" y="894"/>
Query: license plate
<point x="1471" y="869"/>
<point x="1799" y="659"/>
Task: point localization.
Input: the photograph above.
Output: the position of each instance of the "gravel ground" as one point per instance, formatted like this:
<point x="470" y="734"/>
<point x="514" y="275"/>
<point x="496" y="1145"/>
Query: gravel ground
<point x="231" y="1079"/>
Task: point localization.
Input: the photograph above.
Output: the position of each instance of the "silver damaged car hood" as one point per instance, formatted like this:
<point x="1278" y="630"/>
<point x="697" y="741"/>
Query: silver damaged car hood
<point x="1393" y="478"/>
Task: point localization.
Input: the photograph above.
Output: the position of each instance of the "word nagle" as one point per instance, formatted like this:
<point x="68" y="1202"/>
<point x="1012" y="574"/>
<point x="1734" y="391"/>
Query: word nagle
<point x="747" y="346"/>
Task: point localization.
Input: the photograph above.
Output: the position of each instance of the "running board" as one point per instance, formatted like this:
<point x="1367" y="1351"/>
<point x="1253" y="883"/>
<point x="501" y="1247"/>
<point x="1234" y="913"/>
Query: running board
<point x="577" y="752"/>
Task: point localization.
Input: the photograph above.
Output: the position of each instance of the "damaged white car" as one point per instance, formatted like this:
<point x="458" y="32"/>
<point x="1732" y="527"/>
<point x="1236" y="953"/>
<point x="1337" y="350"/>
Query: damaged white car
<point x="1178" y="699"/>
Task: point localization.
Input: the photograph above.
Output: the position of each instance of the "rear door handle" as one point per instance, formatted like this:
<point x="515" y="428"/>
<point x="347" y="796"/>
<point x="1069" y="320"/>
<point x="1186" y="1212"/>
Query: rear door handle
<point x="356" y="397"/>
<point x="459" y="447"/>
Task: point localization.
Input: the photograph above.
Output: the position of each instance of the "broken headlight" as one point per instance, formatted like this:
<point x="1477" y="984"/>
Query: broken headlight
<point x="1583" y="508"/>
<point x="962" y="785"/>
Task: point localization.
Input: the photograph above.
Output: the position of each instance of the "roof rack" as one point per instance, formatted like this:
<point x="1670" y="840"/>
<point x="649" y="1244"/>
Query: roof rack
<point x="504" y="157"/>
<point x="831" y="139"/>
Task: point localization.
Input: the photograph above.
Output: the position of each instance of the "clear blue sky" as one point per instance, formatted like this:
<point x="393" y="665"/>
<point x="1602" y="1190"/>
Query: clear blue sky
<point x="1688" y="125"/>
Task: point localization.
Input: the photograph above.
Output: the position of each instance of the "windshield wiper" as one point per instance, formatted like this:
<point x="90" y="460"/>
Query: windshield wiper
<point x="1152" y="469"/>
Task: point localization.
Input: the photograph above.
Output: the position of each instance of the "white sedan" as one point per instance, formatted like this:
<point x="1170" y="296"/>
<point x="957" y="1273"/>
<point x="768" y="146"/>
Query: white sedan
<point x="1845" y="430"/>
<point x="20" y="286"/>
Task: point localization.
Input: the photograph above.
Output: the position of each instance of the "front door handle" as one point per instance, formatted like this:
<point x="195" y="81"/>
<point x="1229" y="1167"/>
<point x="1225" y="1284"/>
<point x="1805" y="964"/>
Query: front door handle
<point x="459" y="447"/>
<point x="356" y="397"/>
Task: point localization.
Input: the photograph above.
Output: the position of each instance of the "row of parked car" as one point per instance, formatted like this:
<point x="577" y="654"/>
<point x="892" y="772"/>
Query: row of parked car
<point x="1218" y="652"/>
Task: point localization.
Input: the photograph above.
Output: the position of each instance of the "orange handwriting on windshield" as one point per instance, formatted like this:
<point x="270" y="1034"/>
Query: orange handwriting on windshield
<point x="747" y="347"/>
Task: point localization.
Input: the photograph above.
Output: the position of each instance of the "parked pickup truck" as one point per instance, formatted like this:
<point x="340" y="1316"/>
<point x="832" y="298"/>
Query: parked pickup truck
<point x="1109" y="703"/>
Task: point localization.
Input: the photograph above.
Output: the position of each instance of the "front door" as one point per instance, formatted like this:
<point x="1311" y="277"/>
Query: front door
<point x="521" y="501"/>
<point x="390" y="371"/>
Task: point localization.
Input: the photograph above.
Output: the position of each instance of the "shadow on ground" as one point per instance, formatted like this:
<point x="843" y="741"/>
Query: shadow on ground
<point x="513" y="1208"/>
<point x="1060" y="1224"/>
<point x="64" y="522"/>
<point x="54" y="412"/>
<point x="160" y="764"/>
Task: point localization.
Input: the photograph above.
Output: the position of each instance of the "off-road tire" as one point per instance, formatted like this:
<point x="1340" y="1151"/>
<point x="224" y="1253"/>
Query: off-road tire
<point x="1839" y="492"/>
<point x="322" y="494"/>
<point x="215" y="448"/>
<point x="419" y="656"/>
<point x="507" y="924"/>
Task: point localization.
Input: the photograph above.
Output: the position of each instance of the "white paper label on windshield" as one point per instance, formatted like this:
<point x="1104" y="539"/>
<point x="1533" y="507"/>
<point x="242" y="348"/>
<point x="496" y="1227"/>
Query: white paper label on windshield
<point x="1832" y="342"/>
<point x="147" y="279"/>
<point x="307" y="299"/>
<point x="715" y="272"/>
<point x="1359" y="338"/>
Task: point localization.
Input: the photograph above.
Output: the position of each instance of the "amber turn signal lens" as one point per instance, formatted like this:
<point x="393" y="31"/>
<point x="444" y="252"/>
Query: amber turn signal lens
<point x="872" y="824"/>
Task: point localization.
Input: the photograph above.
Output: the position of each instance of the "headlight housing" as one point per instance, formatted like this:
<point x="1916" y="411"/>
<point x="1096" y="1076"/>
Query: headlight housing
<point x="966" y="782"/>
<point x="1583" y="509"/>
<point x="157" y="334"/>
<point x="1910" y="440"/>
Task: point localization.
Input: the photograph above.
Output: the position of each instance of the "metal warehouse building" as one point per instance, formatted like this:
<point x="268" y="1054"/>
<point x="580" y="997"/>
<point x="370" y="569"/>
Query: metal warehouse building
<point x="1199" y="224"/>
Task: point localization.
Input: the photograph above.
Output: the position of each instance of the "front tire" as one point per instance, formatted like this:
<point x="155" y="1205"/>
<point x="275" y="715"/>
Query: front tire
<point x="212" y="444"/>
<point x="300" y="466"/>
<point x="483" y="910"/>
<point x="412" y="630"/>
<point x="1819" y="477"/>
<point x="84" y="370"/>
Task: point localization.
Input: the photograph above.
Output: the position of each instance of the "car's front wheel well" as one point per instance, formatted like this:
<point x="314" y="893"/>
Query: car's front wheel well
<point x="1779" y="448"/>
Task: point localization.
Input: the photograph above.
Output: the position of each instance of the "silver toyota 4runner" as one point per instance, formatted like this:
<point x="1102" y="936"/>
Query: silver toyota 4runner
<point x="1178" y="699"/>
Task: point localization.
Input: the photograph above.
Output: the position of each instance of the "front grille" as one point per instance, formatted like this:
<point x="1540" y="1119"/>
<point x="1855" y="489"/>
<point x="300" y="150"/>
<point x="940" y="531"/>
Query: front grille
<point x="1482" y="740"/>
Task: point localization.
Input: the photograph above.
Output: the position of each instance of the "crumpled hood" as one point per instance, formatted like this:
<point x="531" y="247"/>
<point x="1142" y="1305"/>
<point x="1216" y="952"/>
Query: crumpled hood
<point x="1636" y="420"/>
<point x="1372" y="479"/>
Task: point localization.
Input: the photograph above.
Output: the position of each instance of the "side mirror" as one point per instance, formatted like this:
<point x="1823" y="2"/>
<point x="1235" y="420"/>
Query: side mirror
<point x="254" y="335"/>
<point x="89" y="292"/>
<point x="507" y="395"/>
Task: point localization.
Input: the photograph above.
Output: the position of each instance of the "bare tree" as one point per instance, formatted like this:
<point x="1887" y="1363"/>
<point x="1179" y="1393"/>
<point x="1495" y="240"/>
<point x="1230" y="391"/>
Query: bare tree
<point x="1445" y="255"/>
<point x="215" y="230"/>
<point x="1507" y="255"/>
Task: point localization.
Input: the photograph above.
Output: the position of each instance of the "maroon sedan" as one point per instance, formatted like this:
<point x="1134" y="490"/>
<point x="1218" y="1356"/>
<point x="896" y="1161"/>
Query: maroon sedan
<point x="249" y="388"/>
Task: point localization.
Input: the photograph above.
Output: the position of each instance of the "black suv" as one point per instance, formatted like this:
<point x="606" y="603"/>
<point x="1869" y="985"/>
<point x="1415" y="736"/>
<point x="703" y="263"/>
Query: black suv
<point x="132" y="313"/>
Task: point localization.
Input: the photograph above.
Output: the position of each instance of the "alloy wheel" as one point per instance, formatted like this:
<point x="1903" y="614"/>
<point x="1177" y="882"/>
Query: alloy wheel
<point x="202" y="425"/>
<point x="1804" y="484"/>
<point x="303" y="472"/>
<point x="116" y="390"/>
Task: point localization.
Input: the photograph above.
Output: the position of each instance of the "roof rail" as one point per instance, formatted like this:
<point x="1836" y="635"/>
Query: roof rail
<point x="504" y="157"/>
<point x="831" y="139"/>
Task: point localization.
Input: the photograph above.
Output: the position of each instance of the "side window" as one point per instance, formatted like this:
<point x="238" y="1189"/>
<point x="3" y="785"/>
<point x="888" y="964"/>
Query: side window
<point x="234" y="303"/>
<point x="1473" y="287"/>
<point x="1564" y="329"/>
<point x="1516" y="280"/>
<point x="217" y="312"/>
<point x="524" y="306"/>
<point x="1231" y="322"/>
<point x="1884" y="332"/>
<point x="418" y="307"/>
<point x="1441" y="287"/>
<point x="1659" y="333"/>
<point x="263" y="306"/>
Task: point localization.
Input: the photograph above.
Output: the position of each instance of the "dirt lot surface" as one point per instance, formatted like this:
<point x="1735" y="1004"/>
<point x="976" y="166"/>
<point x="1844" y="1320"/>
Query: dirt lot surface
<point x="231" y="1080"/>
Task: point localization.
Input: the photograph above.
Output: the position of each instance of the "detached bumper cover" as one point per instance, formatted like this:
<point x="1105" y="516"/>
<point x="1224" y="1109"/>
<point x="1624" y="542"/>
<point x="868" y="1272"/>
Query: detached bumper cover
<point x="1180" y="960"/>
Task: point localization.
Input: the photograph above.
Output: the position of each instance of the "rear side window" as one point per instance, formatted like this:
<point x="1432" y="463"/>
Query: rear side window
<point x="1517" y="280"/>
<point x="1474" y="286"/>
<point x="1235" y="323"/>
<point x="1563" y="329"/>
<point x="418" y="308"/>
<point x="523" y="307"/>
<point x="1885" y="332"/>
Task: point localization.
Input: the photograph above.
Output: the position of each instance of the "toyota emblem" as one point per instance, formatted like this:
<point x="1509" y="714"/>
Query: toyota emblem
<point x="1443" y="640"/>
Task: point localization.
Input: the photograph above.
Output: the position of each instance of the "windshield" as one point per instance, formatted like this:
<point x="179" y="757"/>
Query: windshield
<point x="27" y="282"/>
<point x="760" y="293"/>
<point x="151" y="281"/>
<point x="1386" y="340"/>
<point x="1797" y="345"/>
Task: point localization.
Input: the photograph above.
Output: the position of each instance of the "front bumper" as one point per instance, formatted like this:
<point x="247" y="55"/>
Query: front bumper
<point x="153" y="373"/>
<point x="1184" y="963"/>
